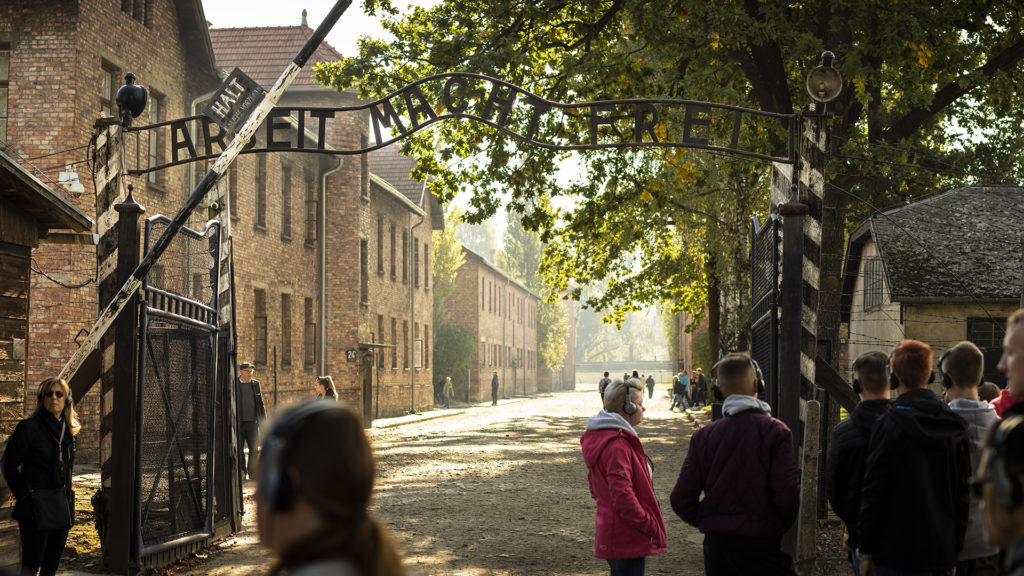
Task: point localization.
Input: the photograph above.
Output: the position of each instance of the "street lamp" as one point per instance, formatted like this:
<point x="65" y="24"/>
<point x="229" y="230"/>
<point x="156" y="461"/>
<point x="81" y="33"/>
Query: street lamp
<point x="131" y="100"/>
<point x="824" y="83"/>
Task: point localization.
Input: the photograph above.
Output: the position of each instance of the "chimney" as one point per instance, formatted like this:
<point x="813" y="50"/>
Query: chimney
<point x="304" y="23"/>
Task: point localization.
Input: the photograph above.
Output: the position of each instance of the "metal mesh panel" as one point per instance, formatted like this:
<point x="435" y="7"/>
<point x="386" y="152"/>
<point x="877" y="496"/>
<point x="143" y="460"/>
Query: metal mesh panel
<point x="175" y="439"/>
<point x="186" y="266"/>
<point x="764" y="287"/>
<point x="176" y="388"/>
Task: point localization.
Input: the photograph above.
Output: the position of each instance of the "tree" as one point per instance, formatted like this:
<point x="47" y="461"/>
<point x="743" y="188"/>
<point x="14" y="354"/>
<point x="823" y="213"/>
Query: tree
<point x="453" y="345"/>
<point x="521" y="257"/>
<point x="912" y="71"/>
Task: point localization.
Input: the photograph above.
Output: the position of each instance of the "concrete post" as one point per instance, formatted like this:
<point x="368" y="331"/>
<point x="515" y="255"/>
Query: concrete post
<point x="806" y="552"/>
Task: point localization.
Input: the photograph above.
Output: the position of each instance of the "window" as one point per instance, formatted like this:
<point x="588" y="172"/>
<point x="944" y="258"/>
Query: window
<point x="5" y="78"/>
<point x="405" y="344"/>
<point x="139" y="10"/>
<point x="426" y="346"/>
<point x="405" y="256"/>
<point x="483" y="295"/>
<point x="874" y="280"/>
<point x="483" y="352"/>
<point x="380" y="245"/>
<point x="380" y="330"/>
<point x="364" y="168"/>
<point x="233" y="189"/>
<point x="416" y="262"/>
<point x="986" y="333"/>
<point x="259" y="332"/>
<point x="286" y="201"/>
<point x="364" y="274"/>
<point x="108" y="87"/>
<point x="417" y="346"/>
<point x="309" y="333"/>
<point x="156" y="145"/>
<point x="394" y="340"/>
<point x="426" y="266"/>
<point x="312" y="208"/>
<point x="392" y="250"/>
<point x="286" y="329"/>
<point x="261" y="191"/>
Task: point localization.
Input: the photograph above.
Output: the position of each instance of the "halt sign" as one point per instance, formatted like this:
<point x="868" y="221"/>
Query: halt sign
<point x="234" y="101"/>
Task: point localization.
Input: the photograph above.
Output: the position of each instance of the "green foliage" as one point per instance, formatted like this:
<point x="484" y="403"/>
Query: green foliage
<point x="658" y="225"/>
<point x="670" y="328"/>
<point x="447" y="258"/>
<point x="521" y="257"/>
<point x="454" y="347"/>
<point x="702" y="355"/>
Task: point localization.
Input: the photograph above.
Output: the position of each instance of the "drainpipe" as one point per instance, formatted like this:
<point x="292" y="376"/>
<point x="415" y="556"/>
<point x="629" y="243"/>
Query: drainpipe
<point x="321" y="360"/>
<point x="412" y="306"/>
<point x="504" y="347"/>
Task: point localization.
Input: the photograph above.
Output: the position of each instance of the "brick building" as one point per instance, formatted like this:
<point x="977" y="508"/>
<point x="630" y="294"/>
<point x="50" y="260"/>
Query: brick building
<point x="503" y="314"/>
<point x="61" y="63"/>
<point x="359" y="282"/>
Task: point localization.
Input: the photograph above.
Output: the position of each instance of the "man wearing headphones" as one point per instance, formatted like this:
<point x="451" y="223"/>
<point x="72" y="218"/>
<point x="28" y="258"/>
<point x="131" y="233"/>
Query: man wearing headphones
<point x="745" y="467"/>
<point x="915" y="497"/>
<point x="1012" y="365"/>
<point x="998" y="484"/>
<point x="628" y="525"/>
<point x="961" y="371"/>
<point x="844" y="469"/>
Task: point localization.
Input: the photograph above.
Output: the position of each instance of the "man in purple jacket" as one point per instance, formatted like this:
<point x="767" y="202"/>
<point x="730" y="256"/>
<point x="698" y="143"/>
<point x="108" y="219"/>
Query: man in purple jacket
<point x="745" y="466"/>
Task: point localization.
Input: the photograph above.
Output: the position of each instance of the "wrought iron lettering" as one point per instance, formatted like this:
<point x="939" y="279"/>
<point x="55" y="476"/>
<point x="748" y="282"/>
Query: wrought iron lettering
<point x="630" y="123"/>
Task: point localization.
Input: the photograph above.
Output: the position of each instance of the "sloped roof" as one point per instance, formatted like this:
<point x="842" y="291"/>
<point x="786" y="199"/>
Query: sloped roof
<point x="961" y="245"/>
<point x="263" y="52"/>
<point x="22" y="189"/>
<point x="494" y="268"/>
<point x="389" y="164"/>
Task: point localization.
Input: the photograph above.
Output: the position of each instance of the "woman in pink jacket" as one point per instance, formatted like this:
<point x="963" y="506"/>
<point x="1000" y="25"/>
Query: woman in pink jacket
<point x="628" y="526"/>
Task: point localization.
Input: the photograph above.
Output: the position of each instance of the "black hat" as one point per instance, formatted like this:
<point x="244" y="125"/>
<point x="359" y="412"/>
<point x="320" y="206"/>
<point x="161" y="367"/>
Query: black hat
<point x="246" y="365"/>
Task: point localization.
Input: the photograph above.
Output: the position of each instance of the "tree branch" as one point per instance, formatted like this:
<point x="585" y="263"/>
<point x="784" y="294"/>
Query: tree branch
<point x="949" y="93"/>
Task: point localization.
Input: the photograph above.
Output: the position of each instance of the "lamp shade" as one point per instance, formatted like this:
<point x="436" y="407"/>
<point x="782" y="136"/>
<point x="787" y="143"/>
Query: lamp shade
<point x="824" y="83"/>
<point x="131" y="97"/>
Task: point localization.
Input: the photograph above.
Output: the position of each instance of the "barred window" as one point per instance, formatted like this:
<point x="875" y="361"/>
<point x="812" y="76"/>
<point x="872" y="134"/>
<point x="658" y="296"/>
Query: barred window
<point x="380" y="245"/>
<point x="259" y="331"/>
<point x="380" y="330"/>
<point x="986" y="333"/>
<point x="364" y="273"/>
<point x="874" y="280"/>
<point x="156" y="141"/>
<point x="261" y="191"/>
<point x="312" y="208"/>
<point x="394" y="340"/>
<point x="309" y="333"/>
<point x="405" y="344"/>
<point x="426" y="346"/>
<point x="109" y="83"/>
<point x="405" y="256"/>
<point x="416" y="262"/>
<point x="286" y="329"/>
<point x="393" y="276"/>
<point x="426" y="267"/>
<point x="286" y="201"/>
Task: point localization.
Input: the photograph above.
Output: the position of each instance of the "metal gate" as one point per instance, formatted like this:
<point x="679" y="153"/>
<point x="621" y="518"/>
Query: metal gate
<point x="764" y="311"/>
<point x="176" y="418"/>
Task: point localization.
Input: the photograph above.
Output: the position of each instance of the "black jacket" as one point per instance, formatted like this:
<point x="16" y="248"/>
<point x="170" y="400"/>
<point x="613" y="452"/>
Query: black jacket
<point x="844" y="469"/>
<point x="915" y="499"/>
<point x="30" y="460"/>
<point x="1013" y="562"/>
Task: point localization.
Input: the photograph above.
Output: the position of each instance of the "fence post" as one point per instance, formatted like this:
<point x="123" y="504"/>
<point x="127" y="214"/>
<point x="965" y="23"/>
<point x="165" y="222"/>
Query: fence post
<point x="122" y="554"/>
<point x="806" y="553"/>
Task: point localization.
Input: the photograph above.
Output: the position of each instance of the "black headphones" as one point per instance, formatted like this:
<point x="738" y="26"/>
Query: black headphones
<point x="944" y="378"/>
<point x="854" y="381"/>
<point x="757" y="373"/>
<point x="1006" y="487"/>
<point x="894" y="382"/>
<point x="275" y="484"/>
<point x="629" y="407"/>
<point x="39" y="394"/>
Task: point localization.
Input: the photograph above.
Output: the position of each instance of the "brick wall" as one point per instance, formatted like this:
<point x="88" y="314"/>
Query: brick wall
<point x="503" y="317"/>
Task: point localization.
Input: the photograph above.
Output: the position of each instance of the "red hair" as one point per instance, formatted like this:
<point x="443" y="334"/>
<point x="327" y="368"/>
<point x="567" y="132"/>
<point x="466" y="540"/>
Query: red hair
<point x="911" y="362"/>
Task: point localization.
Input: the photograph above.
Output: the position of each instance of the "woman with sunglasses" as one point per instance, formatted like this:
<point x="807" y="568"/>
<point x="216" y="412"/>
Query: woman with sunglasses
<point x="37" y="465"/>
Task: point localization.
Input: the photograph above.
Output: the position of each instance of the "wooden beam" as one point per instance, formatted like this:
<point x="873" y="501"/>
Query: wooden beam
<point x="827" y="378"/>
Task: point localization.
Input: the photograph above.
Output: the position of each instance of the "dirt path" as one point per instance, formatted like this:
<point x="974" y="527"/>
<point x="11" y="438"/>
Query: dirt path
<point x="502" y="491"/>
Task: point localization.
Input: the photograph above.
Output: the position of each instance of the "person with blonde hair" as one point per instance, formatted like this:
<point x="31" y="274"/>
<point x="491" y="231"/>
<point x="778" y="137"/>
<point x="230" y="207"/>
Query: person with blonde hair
<point x="628" y="523"/>
<point x="37" y="465"/>
<point x="312" y="504"/>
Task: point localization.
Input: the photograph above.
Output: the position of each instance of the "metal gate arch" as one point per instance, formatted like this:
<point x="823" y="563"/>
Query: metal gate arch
<point x="175" y="455"/>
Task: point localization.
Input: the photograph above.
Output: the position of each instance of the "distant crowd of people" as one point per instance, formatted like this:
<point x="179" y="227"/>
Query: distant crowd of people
<point x="924" y="485"/>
